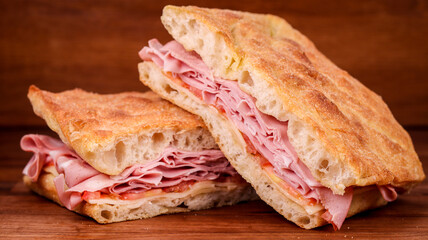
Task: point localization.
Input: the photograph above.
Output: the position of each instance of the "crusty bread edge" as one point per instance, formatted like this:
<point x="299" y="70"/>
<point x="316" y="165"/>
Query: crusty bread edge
<point x="141" y="209"/>
<point x="233" y="146"/>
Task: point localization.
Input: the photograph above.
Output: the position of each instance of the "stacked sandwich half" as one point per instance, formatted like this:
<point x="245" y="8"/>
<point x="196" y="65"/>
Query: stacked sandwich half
<point x="316" y="144"/>
<point x="126" y="156"/>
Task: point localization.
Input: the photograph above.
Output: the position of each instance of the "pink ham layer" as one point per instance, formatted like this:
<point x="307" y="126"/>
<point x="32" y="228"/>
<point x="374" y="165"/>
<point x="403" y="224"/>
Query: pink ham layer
<point x="170" y="169"/>
<point x="267" y="134"/>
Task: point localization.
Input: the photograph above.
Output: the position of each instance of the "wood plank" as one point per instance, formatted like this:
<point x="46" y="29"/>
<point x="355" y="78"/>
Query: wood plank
<point x="24" y="214"/>
<point x="93" y="45"/>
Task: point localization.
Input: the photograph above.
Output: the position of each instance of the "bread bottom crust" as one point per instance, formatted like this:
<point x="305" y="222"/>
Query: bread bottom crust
<point x="248" y="166"/>
<point x="166" y="203"/>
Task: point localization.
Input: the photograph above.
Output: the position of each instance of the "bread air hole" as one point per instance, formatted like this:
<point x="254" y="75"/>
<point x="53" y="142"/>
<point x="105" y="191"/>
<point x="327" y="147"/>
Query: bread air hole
<point x="304" y="220"/>
<point x="174" y="141"/>
<point x="106" y="214"/>
<point x="169" y="90"/>
<point x="157" y="138"/>
<point x="120" y="151"/>
<point x="272" y="104"/>
<point x="324" y="165"/>
<point x="145" y="75"/>
<point x="246" y="79"/>
<point x="187" y="142"/>
<point x="199" y="138"/>
<point x="182" y="205"/>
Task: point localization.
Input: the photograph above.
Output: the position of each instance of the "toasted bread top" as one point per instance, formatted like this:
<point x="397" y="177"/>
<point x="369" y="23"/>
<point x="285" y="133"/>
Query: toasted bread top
<point x="292" y="81"/>
<point x="114" y="131"/>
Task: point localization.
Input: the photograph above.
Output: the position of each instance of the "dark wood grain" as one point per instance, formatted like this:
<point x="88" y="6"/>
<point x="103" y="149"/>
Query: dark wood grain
<point x="24" y="214"/>
<point x="93" y="45"/>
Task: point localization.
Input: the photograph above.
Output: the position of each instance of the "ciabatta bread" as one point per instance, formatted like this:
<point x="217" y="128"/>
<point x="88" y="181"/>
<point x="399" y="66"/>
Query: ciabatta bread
<point x="114" y="131"/>
<point x="342" y="131"/>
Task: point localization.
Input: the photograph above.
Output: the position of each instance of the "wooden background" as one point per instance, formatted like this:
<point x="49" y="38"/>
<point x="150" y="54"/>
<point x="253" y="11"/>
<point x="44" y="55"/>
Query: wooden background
<point x="93" y="45"/>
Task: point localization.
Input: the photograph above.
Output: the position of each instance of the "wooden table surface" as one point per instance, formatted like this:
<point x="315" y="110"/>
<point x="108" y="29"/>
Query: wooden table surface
<point x="24" y="214"/>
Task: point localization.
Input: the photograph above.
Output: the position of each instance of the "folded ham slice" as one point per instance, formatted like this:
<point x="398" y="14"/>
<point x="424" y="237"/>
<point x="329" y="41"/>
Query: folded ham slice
<point x="75" y="177"/>
<point x="266" y="134"/>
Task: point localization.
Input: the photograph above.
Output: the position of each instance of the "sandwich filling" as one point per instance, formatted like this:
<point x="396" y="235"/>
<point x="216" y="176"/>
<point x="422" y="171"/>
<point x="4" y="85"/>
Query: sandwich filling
<point x="76" y="181"/>
<point x="264" y="134"/>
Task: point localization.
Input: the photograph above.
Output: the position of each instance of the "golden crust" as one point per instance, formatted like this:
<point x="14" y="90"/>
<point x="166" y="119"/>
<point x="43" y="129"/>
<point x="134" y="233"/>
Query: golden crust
<point x="353" y="123"/>
<point x="88" y="122"/>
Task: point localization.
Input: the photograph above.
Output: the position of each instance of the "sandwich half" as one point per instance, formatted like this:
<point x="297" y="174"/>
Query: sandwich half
<point x="315" y="143"/>
<point x="126" y="156"/>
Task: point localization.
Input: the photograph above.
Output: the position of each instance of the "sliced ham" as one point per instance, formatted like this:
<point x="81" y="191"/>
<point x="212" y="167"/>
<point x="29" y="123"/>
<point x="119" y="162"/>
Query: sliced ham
<point x="267" y="134"/>
<point x="76" y="176"/>
<point x="388" y="192"/>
